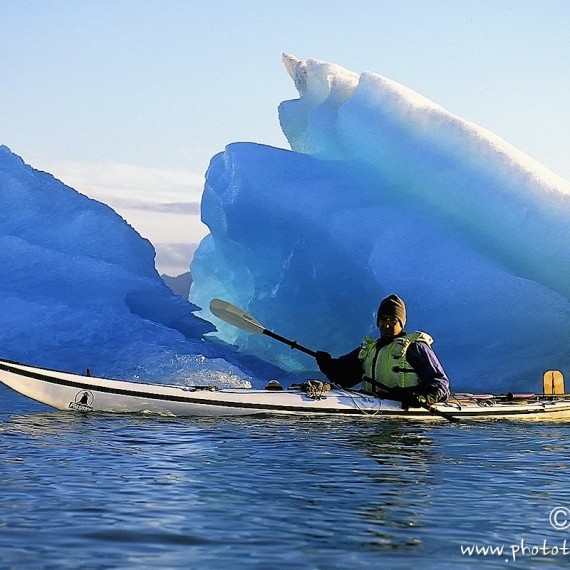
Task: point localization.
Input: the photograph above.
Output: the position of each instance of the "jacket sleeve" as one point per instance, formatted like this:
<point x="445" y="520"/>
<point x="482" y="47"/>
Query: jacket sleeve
<point x="346" y="371"/>
<point x="423" y="360"/>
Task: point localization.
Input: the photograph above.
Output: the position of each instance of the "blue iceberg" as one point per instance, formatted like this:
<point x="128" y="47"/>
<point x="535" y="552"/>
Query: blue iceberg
<point x="386" y="192"/>
<point x="78" y="289"/>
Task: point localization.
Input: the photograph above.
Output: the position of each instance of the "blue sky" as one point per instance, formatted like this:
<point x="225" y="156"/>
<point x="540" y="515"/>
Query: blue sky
<point x="127" y="100"/>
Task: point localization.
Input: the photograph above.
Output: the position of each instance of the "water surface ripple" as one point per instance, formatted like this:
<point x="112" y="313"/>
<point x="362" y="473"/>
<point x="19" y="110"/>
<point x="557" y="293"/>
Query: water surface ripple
<point x="98" y="491"/>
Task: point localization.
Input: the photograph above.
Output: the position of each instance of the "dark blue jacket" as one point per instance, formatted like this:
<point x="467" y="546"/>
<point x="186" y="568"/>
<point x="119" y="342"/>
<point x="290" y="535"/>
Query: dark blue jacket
<point x="347" y="371"/>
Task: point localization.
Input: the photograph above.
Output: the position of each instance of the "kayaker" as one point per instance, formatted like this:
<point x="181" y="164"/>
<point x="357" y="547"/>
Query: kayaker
<point x="397" y="366"/>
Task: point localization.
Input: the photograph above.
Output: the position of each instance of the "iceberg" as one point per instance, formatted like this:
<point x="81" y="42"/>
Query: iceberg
<point x="79" y="289"/>
<point x="384" y="191"/>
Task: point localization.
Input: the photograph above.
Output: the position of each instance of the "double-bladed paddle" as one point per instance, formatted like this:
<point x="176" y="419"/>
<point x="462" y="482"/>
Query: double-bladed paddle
<point x="238" y="318"/>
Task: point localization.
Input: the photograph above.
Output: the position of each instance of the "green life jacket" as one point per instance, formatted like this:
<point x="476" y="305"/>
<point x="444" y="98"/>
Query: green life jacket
<point x="387" y="367"/>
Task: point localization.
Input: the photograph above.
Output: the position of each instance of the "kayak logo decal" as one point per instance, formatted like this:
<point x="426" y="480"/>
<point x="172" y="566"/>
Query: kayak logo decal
<point x="83" y="401"/>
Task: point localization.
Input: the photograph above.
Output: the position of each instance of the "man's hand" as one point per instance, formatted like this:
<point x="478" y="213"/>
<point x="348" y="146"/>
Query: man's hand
<point x="422" y="401"/>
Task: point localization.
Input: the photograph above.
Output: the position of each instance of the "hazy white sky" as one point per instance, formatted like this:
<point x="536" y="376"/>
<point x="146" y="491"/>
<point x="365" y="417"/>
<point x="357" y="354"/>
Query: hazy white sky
<point x="127" y="100"/>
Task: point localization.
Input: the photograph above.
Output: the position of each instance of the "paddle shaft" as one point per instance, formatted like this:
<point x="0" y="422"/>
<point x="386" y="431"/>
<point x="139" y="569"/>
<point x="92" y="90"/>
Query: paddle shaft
<point x="514" y="397"/>
<point x="448" y="416"/>
<point x="293" y="344"/>
<point x="445" y="415"/>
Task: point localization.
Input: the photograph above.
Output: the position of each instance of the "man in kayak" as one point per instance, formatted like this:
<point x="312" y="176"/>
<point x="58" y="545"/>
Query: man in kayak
<point x="398" y="366"/>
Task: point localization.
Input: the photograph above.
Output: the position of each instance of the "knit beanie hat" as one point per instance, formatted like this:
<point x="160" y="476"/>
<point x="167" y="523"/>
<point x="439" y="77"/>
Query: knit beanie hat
<point x="392" y="306"/>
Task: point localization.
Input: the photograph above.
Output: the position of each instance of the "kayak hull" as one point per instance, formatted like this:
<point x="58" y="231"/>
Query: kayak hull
<point x="84" y="394"/>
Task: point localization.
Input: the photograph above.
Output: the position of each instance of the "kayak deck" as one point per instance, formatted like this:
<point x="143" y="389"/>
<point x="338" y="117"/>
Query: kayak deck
<point x="81" y="393"/>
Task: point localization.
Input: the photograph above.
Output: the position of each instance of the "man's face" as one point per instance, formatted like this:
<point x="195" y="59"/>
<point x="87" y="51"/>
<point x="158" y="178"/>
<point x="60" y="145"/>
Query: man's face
<point x="389" y="326"/>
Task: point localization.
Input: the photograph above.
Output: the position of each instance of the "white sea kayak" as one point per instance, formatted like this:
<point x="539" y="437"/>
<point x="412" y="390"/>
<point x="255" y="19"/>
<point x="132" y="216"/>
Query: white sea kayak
<point x="87" y="394"/>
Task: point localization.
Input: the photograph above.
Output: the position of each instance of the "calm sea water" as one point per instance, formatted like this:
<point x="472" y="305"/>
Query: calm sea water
<point x="98" y="491"/>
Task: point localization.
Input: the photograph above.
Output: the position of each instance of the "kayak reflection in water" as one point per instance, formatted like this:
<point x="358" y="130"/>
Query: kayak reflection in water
<point x="397" y="366"/>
